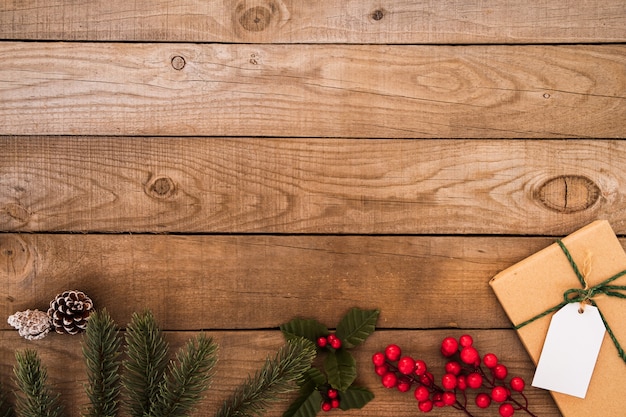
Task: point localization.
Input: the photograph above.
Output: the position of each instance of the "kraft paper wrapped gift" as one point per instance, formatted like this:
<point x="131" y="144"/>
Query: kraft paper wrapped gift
<point x="538" y="283"/>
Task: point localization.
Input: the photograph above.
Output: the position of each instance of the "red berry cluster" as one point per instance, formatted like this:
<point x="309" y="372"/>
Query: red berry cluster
<point x="330" y="396"/>
<point x="463" y="372"/>
<point x="330" y="399"/>
<point x="331" y="340"/>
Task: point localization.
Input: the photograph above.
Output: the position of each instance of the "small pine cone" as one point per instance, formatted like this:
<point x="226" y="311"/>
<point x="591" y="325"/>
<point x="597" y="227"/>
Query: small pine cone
<point x="31" y="324"/>
<point x="69" y="312"/>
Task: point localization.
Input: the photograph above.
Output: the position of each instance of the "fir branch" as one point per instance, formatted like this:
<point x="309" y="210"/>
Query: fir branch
<point x="101" y="350"/>
<point x="147" y="359"/>
<point x="186" y="379"/>
<point x="276" y="377"/>
<point x="31" y="378"/>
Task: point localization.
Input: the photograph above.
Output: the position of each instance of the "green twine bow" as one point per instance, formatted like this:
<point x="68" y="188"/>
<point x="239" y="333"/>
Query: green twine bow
<point x="586" y="295"/>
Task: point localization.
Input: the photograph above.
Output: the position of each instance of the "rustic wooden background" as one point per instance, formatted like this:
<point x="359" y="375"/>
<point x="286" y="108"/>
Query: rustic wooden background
<point x="232" y="164"/>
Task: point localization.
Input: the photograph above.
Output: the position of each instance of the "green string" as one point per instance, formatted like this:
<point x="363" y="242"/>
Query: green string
<point x="582" y="295"/>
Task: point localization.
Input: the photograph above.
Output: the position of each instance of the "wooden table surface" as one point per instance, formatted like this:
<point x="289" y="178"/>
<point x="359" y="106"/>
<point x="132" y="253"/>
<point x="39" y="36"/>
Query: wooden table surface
<point x="233" y="164"/>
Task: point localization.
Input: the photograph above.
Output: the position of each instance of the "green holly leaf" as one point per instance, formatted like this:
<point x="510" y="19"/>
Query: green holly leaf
<point x="307" y="328"/>
<point x="313" y="378"/>
<point x="355" y="397"/>
<point x="340" y="367"/>
<point x="356" y="326"/>
<point x="308" y="404"/>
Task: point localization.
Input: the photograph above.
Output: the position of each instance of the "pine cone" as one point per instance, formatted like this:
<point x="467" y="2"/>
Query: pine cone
<point x="69" y="312"/>
<point x="31" y="324"/>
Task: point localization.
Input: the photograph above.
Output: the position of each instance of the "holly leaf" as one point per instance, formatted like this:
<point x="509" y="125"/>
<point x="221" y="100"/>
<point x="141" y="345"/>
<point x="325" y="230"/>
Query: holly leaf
<point x="355" y="397"/>
<point x="313" y="378"/>
<point x="308" y="404"/>
<point x="307" y="328"/>
<point x="340" y="367"/>
<point x="356" y="326"/>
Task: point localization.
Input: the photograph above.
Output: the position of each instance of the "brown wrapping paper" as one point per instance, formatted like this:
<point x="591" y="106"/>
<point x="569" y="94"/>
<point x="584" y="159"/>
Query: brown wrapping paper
<point x="537" y="284"/>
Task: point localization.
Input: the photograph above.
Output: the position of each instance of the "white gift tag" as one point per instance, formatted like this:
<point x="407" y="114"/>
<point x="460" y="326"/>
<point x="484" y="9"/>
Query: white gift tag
<point x="570" y="351"/>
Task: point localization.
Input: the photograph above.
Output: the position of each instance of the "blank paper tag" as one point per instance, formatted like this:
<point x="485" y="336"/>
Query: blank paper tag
<point x="570" y="351"/>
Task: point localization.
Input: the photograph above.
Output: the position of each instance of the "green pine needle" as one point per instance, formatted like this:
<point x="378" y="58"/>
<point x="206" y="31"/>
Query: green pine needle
<point x="101" y="351"/>
<point x="31" y="377"/>
<point x="186" y="379"/>
<point x="147" y="359"/>
<point x="276" y="377"/>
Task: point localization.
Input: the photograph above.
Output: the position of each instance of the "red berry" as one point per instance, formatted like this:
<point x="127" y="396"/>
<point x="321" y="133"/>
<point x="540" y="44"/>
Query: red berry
<point x="393" y="352"/>
<point x="404" y="384"/>
<point x="506" y="410"/>
<point x="421" y="393"/>
<point x="322" y="342"/>
<point x="438" y="400"/>
<point x="378" y="359"/>
<point x="406" y="365"/>
<point x="490" y="360"/>
<point x="420" y="367"/>
<point x="381" y="370"/>
<point x="449" y="398"/>
<point x="466" y="340"/>
<point x="427" y="379"/>
<point x="517" y="384"/>
<point x="332" y="393"/>
<point x="483" y="400"/>
<point x="474" y="380"/>
<point x="469" y="355"/>
<point x="334" y="341"/>
<point x="499" y="394"/>
<point x="448" y="381"/>
<point x="334" y="403"/>
<point x="461" y="382"/>
<point x="453" y="367"/>
<point x="425" y="406"/>
<point x="500" y="371"/>
<point x="449" y="346"/>
<point x="389" y="380"/>
<point x="327" y="406"/>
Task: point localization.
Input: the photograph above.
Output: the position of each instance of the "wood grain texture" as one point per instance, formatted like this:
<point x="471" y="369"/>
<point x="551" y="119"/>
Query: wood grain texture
<point x="232" y="164"/>
<point x="242" y="353"/>
<point x="312" y="90"/>
<point x="257" y="282"/>
<point x="321" y="21"/>
<point x="204" y="185"/>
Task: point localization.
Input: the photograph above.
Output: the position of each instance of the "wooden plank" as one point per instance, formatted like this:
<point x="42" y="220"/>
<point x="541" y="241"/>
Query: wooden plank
<point x="242" y="353"/>
<point x="257" y="282"/>
<point x="312" y="90"/>
<point x="244" y="185"/>
<point x="286" y="21"/>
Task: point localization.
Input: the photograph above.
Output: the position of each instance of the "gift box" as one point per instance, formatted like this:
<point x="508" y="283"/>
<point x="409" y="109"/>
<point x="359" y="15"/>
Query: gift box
<point x="537" y="285"/>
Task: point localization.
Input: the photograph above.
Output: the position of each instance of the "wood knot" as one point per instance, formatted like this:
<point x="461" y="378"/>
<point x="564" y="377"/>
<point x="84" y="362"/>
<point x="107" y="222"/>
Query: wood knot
<point x="160" y="187"/>
<point x="15" y="215"/>
<point x="178" y="62"/>
<point x="16" y="255"/>
<point x="568" y="193"/>
<point x="255" y="18"/>
<point x="377" y="14"/>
